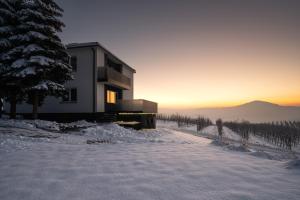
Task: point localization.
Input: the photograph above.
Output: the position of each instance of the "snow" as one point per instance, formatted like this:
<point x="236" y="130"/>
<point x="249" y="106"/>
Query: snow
<point x="6" y="12"/>
<point x="4" y="43"/>
<point x="25" y="72"/>
<point x="26" y="13"/>
<point x="6" y="4"/>
<point x="19" y="63"/>
<point x="48" y="85"/>
<point x="293" y="164"/>
<point x="37" y="35"/>
<point x="4" y="57"/>
<point x="20" y="37"/>
<point x="5" y="29"/>
<point x="12" y="52"/>
<point x="48" y="160"/>
<point x="262" y="154"/>
<point x="63" y="66"/>
<point x="41" y="60"/>
<point x="32" y="48"/>
<point x="211" y="132"/>
<point x="27" y="37"/>
<point x="28" y="2"/>
<point x="38" y="26"/>
<point x="15" y="50"/>
<point x="29" y="124"/>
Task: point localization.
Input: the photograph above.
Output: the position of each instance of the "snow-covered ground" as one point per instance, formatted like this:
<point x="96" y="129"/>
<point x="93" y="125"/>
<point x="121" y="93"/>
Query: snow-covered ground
<point x="45" y="160"/>
<point x="211" y="132"/>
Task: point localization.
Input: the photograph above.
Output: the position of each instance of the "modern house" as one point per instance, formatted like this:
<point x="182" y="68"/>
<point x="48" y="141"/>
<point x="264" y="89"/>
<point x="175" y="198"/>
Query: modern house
<point x="102" y="90"/>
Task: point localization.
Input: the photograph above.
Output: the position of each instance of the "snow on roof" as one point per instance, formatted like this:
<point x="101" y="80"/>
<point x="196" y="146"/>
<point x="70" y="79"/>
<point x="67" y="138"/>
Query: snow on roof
<point x="97" y="44"/>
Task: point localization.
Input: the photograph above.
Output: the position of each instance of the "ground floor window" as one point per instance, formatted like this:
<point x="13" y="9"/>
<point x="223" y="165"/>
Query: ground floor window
<point x="71" y="95"/>
<point x="111" y="96"/>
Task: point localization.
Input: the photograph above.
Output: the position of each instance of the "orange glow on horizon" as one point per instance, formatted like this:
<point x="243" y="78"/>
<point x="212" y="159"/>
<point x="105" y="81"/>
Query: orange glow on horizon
<point x="283" y="102"/>
<point x="214" y="100"/>
<point x="226" y="104"/>
<point x="228" y="74"/>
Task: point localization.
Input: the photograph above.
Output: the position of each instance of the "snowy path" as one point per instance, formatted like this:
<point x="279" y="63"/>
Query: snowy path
<point x="174" y="166"/>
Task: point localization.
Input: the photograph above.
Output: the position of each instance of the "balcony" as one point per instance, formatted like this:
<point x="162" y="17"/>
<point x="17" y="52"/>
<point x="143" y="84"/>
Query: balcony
<point x="137" y="106"/>
<point x="113" y="77"/>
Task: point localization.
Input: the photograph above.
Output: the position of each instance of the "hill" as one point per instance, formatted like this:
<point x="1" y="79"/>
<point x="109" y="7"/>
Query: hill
<point x="254" y="111"/>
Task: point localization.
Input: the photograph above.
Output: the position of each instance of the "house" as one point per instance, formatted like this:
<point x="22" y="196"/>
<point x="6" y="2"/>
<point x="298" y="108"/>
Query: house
<point x="102" y="90"/>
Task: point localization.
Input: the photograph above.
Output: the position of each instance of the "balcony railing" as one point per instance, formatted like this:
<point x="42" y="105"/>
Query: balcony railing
<point x="113" y="77"/>
<point x="137" y="105"/>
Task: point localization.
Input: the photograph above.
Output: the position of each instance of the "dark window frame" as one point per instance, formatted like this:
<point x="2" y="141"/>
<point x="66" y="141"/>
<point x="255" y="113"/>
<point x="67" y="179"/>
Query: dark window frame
<point x="73" y="63"/>
<point x="71" y="96"/>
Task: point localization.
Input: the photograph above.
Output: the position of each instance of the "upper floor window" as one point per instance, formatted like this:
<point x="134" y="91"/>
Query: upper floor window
<point x="111" y="96"/>
<point x="110" y="63"/>
<point x="74" y="63"/>
<point x="71" y="95"/>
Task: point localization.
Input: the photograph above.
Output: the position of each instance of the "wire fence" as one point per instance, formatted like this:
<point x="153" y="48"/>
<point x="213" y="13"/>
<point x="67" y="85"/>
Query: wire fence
<point x="200" y="122"/>
<point x="284" y="134"/>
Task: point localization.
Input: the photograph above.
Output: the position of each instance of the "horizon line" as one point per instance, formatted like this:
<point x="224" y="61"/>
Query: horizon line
<point x="185" y="106"/>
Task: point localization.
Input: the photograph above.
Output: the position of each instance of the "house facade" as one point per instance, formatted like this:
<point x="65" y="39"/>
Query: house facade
<point x="103" y="84"/>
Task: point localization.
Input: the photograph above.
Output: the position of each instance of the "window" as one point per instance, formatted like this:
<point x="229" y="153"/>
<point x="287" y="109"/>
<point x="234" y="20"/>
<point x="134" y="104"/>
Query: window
<point x="74" y="63"/>
<point x="71" y="95"/>
<point x="111" y="96"/>
<point x="110" y="63"/>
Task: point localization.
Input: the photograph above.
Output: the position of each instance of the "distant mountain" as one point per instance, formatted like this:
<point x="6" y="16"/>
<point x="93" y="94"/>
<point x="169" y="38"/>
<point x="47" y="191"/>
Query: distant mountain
<point x="255" y="111"/>
<point x="258" y="104"/>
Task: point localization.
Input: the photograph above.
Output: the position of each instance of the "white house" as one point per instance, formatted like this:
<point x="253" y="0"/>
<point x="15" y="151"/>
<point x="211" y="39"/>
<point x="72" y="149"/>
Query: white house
<point x="103" y="86"/>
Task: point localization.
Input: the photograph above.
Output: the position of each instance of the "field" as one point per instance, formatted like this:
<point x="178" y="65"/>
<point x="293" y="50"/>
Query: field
<point x="44" y="160"/>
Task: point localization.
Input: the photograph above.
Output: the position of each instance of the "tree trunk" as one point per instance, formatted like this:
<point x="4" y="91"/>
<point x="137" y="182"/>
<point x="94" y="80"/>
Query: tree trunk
<point x="1" y="107"/>
<point x="13" y="106"/>
<point x="35" y="105"/>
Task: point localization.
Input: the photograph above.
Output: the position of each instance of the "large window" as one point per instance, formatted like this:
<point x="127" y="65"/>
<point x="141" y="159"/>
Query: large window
<point x="71" y="95"/>
<point x="74" y="63"/>
<point x="111" y="96"/>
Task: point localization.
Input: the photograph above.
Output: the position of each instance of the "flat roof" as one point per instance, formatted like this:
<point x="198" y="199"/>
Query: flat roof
<point x="97" y="44"/>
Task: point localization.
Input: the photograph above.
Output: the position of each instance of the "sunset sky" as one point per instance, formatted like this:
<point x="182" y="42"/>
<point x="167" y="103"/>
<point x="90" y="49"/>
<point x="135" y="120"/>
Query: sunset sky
<point x="197" y="53"/>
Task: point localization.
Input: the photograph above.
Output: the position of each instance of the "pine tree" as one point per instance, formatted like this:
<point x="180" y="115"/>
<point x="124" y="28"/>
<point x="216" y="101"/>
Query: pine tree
<point x="44" y="64"/>
<point x="10" y="51"/>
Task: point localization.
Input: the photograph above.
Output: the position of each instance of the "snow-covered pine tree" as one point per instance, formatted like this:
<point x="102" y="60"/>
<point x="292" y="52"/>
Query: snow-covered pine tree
<point x="10" y="52"/>
<point x="46" y="66"/>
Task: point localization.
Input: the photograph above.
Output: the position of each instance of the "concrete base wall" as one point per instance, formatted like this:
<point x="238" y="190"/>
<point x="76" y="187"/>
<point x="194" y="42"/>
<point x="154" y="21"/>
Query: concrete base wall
<point x="71" y="117"/>
<point x="146" y="120"/>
